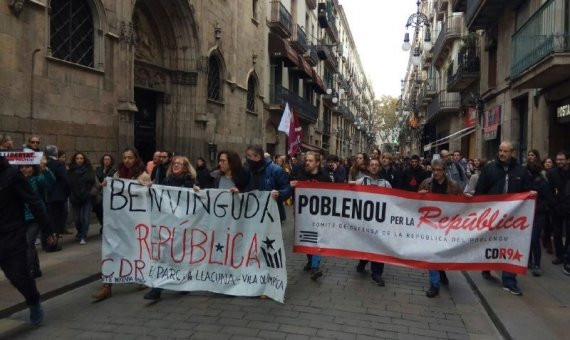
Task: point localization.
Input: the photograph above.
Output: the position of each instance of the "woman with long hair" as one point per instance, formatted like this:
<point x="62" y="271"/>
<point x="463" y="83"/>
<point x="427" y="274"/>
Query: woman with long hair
<point x="359" y="167"/>
<point x="180" y="174"/>
<point x="82" y="181"/>
<point x="132" y="167"/>
<point x="544" y="200"/>
<point x="478" y="165"/>
<point x="231" y="174"/>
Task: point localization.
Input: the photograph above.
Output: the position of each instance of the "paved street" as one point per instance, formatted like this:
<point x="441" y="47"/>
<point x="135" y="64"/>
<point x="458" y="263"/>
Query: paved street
<point x="343" y="305"/>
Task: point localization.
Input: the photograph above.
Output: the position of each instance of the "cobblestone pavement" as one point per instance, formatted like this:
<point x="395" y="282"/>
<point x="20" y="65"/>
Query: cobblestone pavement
<point x="342" y="305"/>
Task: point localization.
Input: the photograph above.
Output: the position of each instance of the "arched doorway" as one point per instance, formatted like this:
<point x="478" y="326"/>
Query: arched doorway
<point x="165" y="75"/>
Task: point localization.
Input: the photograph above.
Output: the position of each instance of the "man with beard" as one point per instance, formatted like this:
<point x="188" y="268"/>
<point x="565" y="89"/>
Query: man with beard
<point x="313" y="172"/>
<point x="159" y="172"/>
<point x="504" y="176"/>
<point x="336" y="172"/>
<point x="414" y="175"/>
<point x="373" y="178"/>
<point x="440" y="183"/>
<point x="267" y="176"/>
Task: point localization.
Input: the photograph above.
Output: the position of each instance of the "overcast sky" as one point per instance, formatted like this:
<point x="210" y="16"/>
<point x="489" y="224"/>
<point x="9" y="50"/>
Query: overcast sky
<point x="378" y="28"/>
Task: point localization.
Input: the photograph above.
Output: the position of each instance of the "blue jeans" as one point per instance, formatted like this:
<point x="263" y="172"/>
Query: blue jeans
<point x="535" y="247"/>
<point x="509" y="279"/>
<point x="434" y="278"/>
<point x="81" y="213"/>
<point x="314" y="261"/>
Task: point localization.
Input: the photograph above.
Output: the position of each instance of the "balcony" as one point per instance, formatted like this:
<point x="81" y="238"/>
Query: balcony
<point x="468" y="70"/>
<point x="327" y="20"/>
<point x="278" y="96"/>
<point x="482" y="14"/>
<point x="451" y="30"/>
<point x="311" y="4"/>
<point x="311" y="56"/>
<point x="298" y="39"/>
<point x="541" y="48"/>
<point x="458" y="5"/>
<point x="280" y="19"/>
<point x="325" y="53"/>
<point x="444" y="102"/>
<point x="427" y="92"/>
<point x="441" y="8"/>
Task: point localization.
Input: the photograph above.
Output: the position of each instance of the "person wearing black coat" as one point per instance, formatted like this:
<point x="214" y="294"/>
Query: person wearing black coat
<point x="15" y="193"/>
<point x="414" y="175"/>
<point x="56" y="196"/>
<point x="389" y="172"/>
<point x="558" y="177"/>
<point x="203" y="174"/>
<point x="504" y="176"/>
<point x="82" y="181"/>
<point x="544" y="203"/>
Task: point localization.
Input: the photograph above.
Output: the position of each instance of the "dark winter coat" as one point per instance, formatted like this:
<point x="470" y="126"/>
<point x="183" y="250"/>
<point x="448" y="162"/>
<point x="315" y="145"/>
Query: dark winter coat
<point x="82" y="180"/>
<point x="412" y="178"/>
<point x="271" y="177"/>
<point x="492" y="178"/>
<point x="181" y="181"/>
<point x="558" y="179"/>
<point x="393" y="176"/>
<point x="15" y="193"/>
<point x="544" y="199"/>
<point x="320" y="176"/>
<point x="204" y="178"/>
<point x="59" y="192"/>
<point x="102" y="174"/>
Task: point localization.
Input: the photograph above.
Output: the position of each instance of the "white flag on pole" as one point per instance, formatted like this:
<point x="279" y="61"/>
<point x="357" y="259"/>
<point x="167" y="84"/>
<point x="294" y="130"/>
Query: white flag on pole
<point x="285" y="120"/>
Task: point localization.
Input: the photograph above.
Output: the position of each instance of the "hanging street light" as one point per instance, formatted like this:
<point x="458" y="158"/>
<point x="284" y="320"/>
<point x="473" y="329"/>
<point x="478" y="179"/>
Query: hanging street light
<point x="416" y="21"/>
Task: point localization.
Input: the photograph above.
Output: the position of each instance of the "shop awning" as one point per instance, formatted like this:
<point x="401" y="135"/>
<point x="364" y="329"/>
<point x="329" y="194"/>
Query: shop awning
<point x="303" y="68"/>
<point x="279" y="48"/>
<point x="456" y="135"/>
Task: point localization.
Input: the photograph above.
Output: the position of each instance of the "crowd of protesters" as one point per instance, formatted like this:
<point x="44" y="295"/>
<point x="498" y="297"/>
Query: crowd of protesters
<point x="46" y="192"/>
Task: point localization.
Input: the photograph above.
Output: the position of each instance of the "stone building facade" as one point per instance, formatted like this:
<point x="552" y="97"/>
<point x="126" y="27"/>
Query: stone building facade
<point x="191" y="76"/>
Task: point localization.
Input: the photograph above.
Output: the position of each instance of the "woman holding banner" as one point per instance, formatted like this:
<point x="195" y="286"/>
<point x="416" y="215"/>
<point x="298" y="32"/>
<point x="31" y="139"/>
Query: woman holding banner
<point x="231" y="175"/>
<point x="313" y="172"/>
<point x="180" y="174"/>
<point x="132" y="167"/>
<point x="439" y="183"/>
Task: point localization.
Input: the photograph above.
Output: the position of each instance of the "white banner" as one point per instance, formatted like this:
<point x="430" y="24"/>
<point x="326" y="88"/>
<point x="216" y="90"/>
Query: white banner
<point x="22" y="157"/>
<point x="175" y="238"/>
<point x="423" y="231"/>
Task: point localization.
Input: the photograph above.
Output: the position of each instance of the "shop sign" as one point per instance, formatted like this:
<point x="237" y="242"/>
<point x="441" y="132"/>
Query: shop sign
<point x="491" y="121"/>
<point x="470" y="117"/>
<point x="563" y="113"/>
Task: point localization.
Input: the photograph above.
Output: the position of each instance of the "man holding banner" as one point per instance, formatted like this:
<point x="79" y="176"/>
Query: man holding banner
<point x="504" y="176"/>
<point x="438" y="184"/>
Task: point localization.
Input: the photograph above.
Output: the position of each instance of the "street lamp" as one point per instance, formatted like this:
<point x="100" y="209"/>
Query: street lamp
<point x="417" y="20"/>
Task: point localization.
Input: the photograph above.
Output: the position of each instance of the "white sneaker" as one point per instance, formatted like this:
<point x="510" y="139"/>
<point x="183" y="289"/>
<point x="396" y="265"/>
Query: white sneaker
<point x="82" y="242"/>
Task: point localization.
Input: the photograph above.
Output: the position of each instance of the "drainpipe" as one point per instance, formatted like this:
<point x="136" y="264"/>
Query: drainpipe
<point x="32" y="88"/>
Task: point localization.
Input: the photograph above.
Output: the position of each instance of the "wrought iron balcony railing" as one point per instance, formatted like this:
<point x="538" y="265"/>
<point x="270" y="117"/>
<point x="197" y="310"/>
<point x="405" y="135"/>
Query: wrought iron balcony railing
<point x="545" y="33"/>
<point x="443" y="102"/>
<point x="280" y="19"/>
<point x="298" y="39"/>
<point x="305" y="109"/>
<point x="451" y="30"/>
<point x="468" y="69"/>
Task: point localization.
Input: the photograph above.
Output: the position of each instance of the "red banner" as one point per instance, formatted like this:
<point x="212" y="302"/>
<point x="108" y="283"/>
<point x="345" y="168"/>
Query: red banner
<point x="295" y="133"/>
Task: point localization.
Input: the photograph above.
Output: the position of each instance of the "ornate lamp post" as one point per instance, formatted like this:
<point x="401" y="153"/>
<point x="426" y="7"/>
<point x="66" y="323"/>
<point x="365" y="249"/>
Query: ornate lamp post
<point x="416" y="21"/>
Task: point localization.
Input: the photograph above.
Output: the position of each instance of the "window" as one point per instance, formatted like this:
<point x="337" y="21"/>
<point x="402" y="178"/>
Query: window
<point x="71" y="31"/>
<point x="214" y="79"/>
<point x="251" y="91"/>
